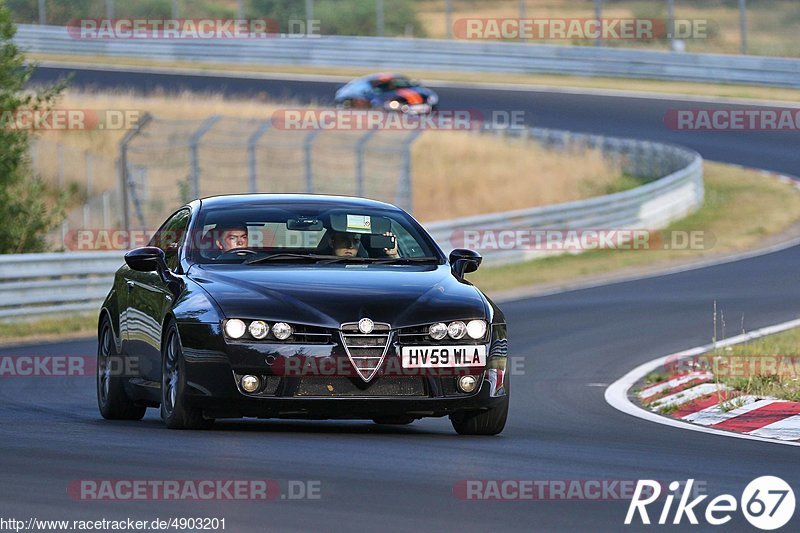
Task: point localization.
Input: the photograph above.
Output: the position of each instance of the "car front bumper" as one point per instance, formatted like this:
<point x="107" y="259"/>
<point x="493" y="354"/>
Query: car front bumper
<point x="214" y="369"/>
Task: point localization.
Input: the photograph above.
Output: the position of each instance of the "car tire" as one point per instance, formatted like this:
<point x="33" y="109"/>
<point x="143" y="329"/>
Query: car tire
<point x="394" y="420"/>
<point x="176" y="412"/>
<point x="488" y="422"/>
<point x="112" y="400"/>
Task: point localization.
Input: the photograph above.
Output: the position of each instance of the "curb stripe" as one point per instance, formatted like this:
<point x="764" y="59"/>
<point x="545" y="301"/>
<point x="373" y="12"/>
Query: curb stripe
<point x="716" y="414"/>
<point x="702" y="404"/>
<point x="616" y="394"/>
<point x="686" y="396"/>
<point x="758" y="418"/>
<point x="786" y="429"/>
<point x="673" y="383"/>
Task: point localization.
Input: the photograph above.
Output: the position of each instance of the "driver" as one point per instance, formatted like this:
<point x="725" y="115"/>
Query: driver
<point x="230" y="236"/>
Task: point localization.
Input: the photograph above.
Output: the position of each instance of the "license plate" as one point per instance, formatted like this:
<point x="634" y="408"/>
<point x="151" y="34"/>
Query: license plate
<point x="443" y="356"/>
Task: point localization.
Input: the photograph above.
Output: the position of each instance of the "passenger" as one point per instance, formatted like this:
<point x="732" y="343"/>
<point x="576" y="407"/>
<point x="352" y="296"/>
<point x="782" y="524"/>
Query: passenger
<point x="345" y="244"/>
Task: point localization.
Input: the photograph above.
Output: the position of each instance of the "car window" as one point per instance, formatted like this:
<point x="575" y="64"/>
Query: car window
<point x="170" y="236"/>
<point x="390" y="84"/>
<point x="312" y="230"/>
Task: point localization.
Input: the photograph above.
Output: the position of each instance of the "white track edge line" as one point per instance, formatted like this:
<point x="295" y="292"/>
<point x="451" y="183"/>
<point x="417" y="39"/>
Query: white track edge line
<point x="616" y="395"/>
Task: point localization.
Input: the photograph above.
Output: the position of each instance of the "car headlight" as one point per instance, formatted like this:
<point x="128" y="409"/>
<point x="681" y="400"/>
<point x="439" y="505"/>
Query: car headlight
<point x="394" y="105"/>
<point x="282" y="330"/>
<point x="438" y="331"/>
<point x="258" y="329"/>
<point x="433" y="99"/>
<point x="235" y="328"/>
<point x="457" y="329"/>
<point x="476" y="329"/>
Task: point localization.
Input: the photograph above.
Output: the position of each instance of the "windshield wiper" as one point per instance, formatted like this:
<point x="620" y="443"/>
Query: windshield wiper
<point x="404" y="260"/>
<point x="287" y="256"/>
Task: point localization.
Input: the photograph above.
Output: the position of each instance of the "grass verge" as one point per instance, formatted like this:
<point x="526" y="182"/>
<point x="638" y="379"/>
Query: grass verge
<point x="72" y="325"/>
<point x="741" y="208"/>
<point x="769" y="366"/>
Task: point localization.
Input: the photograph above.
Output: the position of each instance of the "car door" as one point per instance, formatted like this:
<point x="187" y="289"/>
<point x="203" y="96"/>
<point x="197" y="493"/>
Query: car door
<point x="149" y="299"/>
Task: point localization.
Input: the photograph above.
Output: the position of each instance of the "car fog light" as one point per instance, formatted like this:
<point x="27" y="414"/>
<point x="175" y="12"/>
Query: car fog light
<point x="282" y="331"/>
<point x="258" y="329"/>
<point x="476" y="329"/>
<point x="467" y="383"/>
<point x="457" y="329"/>
<point x="235" y="328"/>
<point x="250" y="383"/>
<point x="438" y="331"/>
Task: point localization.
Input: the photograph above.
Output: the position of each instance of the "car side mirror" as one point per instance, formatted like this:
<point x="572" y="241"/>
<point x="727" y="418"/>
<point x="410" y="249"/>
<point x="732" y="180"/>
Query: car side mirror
<point x="153" y="259"/>
<point x="464" y="261"/>
<point x="147" y="259"/>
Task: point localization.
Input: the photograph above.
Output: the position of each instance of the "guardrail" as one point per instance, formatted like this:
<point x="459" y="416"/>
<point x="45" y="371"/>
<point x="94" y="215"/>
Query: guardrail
<point x="428" y="54"/>
<point x="678" y="192"/>
<point x="41" y="284"/>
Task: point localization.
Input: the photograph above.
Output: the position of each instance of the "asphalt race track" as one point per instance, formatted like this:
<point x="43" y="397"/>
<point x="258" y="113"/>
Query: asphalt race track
<point x="402" y="478"/>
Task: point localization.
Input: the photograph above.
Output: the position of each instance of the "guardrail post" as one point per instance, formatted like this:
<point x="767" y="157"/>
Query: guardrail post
<point x="251" y="154"/>
<point x="194" y="141"/>
<point x="123" y="167"/>
<point x="309" y="167"/>
<point x="360" y="149"/>
<point x="405" y="194"/>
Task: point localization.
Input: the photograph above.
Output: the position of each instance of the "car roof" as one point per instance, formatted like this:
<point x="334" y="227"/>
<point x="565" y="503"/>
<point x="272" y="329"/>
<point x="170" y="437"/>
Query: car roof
<point x="316" y="200"/>
<point x="383" y="75"/>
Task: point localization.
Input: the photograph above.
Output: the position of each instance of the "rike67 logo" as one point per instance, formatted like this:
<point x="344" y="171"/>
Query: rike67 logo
<point x="767" y="503"/>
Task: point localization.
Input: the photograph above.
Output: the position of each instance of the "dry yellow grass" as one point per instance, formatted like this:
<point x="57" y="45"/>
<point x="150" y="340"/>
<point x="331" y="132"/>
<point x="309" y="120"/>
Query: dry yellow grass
<point x="459" y="174"/>
<point x="454" y="173"/>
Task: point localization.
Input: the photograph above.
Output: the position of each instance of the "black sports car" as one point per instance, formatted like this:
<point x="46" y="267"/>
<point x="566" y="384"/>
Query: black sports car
<point x="390" y="92"/>
<point x="300" y="306"/>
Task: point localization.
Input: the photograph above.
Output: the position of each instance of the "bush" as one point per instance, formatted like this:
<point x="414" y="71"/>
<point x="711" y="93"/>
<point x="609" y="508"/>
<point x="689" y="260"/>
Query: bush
<point x="27" y="210"/>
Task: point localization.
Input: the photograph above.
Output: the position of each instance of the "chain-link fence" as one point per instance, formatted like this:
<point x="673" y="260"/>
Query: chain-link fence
<point x="164" y="163"/>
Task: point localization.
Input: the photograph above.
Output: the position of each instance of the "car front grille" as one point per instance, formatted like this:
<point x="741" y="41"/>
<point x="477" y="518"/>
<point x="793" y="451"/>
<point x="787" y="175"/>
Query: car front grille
<point x="366" y="351"/>
<point x="381" y="387"/>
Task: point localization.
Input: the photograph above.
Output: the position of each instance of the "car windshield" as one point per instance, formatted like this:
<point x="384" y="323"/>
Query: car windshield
<point x="390" y="84"/>
<point x="269" y="234"/>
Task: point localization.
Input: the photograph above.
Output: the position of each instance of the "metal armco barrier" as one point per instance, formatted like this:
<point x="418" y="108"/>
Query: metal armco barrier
<point x="40" y="284"/>
<point x="427" y="54"/>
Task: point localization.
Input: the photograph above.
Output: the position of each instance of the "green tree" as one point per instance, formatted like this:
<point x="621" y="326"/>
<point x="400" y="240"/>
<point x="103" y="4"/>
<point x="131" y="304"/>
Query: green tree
<point x="27" y="209"/>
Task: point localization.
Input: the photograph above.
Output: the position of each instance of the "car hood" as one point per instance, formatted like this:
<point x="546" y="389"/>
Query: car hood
<point x="331" y="295"/>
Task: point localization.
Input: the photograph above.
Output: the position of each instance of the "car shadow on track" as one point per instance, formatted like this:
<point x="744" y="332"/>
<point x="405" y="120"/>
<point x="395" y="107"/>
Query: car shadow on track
<point x="339" y="427"/>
